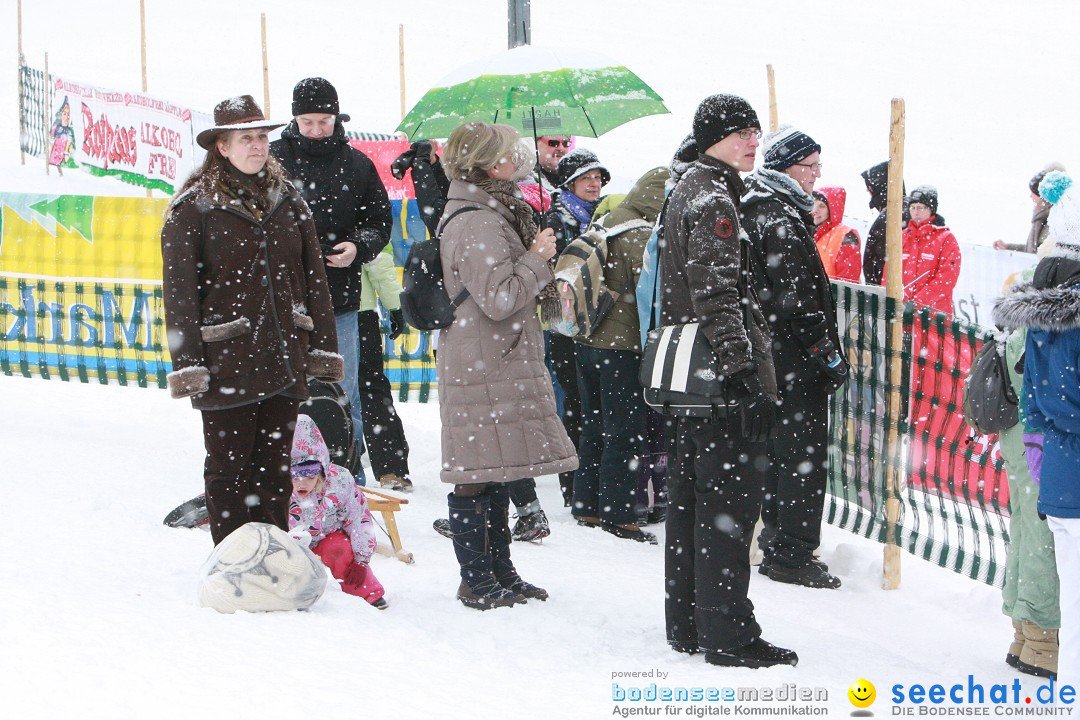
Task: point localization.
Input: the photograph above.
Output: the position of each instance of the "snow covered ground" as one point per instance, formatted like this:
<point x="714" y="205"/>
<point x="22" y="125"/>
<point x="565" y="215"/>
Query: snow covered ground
<point x="99" y="617"/>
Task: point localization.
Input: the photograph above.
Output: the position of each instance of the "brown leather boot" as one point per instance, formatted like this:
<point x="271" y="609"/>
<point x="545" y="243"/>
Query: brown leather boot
<point x="1017" y="645"/>
<point x="1040" y="654"/>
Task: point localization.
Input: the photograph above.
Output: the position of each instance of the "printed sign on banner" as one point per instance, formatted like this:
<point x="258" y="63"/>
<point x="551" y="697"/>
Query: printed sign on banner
<point x="141" y="139"/>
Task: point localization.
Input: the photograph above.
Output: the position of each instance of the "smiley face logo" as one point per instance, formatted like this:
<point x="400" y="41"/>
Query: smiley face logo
<point x="862" y="693"/>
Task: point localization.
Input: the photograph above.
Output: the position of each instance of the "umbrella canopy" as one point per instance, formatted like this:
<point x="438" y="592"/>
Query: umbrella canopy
<point x="539" y="91"/>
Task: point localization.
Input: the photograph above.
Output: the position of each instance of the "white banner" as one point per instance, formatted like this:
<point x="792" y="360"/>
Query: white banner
<point x="142" y="139"/>
<point x="983" y="272"/>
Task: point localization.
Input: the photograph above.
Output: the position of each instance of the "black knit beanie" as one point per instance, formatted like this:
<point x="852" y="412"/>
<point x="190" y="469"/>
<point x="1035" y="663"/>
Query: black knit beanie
<point x="926" y="195"/>
<point x="315" y="95"/>
<point x="720" y="115"/>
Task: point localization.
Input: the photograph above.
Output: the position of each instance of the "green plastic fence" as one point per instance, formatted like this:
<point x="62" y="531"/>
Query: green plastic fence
<point x="953" y="487"/>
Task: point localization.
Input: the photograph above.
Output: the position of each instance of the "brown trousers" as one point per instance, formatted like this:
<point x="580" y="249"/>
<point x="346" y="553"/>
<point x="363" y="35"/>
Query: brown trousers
<point x="247" y="464"/>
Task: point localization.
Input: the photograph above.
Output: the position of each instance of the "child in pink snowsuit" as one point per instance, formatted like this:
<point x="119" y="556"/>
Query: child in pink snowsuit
<point x="327" y="503"/>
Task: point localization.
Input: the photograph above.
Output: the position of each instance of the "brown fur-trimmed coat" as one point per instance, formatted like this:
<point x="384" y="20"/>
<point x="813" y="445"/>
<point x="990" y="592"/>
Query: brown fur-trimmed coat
<point x="246" y="301"/>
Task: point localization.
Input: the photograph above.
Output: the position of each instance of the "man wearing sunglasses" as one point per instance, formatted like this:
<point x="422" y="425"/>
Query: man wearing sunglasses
<point x="550" y="150"/>
<point x="796" y="296"/>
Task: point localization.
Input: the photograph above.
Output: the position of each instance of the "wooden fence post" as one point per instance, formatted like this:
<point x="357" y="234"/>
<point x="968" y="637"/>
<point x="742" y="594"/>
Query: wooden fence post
<point x="774" y="119"/>
<point x="22" y="107"/>
<point x="894" y="288"/>
<point x="142" y="31"/>
<point x="266" y="71"/>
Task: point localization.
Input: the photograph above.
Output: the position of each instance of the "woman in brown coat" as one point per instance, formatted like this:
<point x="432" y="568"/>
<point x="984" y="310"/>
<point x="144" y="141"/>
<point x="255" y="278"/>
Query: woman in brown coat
<point x="496" y="402"/>
<point x="248" y="313"/>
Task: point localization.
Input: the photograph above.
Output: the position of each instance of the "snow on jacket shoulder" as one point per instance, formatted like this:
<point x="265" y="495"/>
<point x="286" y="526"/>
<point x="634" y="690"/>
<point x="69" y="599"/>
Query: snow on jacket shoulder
<point x="340" y="505"/>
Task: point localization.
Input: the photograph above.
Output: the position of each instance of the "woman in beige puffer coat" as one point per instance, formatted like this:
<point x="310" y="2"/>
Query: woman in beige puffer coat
<point x="497" y="406"/>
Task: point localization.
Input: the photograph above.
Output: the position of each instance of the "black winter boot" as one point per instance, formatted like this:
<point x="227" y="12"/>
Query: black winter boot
<point x="499" y="540"/>
<point x="478" y="589"/>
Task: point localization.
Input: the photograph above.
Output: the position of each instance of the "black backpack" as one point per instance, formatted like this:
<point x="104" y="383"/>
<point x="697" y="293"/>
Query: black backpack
<point x="329" y="407"/>
<point x="425" y="304"/>
<point x="990" y="403"/>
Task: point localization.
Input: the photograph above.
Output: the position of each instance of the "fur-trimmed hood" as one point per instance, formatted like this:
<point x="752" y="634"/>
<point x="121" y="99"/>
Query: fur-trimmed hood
<point x="1056" y="308"/>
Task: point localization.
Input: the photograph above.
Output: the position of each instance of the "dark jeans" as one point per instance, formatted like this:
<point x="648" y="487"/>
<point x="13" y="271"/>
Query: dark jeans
<point x="247" y="464"/>
<point x="795" y="485"/>
<point x="612" y="431"/>
<point x="383" y="433"/>
<point x="653" y="468"/>
<point x="561" y="355"/>
<point x="523" y="494"/>
<point x="715" y="483"/>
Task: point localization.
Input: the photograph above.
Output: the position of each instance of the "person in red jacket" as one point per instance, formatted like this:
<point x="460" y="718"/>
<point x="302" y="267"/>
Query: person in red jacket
<point x="931" y="254"/>
<point x="837" y="244"/>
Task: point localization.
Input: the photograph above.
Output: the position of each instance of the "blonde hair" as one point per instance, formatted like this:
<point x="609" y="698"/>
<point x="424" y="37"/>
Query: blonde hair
<point x="475" y="147"/>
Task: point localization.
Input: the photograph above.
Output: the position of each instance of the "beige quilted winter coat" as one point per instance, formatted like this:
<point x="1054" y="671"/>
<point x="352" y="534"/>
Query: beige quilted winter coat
<point x="496" y="401"/>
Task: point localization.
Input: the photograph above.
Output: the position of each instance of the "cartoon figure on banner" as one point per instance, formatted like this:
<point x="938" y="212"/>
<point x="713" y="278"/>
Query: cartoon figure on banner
<point x="63" y="138"/>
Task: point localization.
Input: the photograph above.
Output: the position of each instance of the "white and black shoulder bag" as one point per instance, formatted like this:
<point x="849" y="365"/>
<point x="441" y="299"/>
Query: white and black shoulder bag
<point x="679" y="370"/>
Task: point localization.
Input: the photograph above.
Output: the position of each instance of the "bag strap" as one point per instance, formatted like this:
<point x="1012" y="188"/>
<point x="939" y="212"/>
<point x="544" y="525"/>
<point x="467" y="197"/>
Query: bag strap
<point x="654" y="301"/>
<point x="446" y="220"/>
<point x="462" y="296"/>
<point x="747" y="287"/>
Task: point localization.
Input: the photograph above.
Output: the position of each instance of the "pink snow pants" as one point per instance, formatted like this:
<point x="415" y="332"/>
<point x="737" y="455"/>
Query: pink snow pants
<point x="356" y="578"/>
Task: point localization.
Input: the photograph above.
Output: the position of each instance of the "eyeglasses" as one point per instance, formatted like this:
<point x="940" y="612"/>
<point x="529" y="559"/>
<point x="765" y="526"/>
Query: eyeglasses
<point x="814" y="167"/>
<point x="557" y="143"/>
<point x="749" y="133"/>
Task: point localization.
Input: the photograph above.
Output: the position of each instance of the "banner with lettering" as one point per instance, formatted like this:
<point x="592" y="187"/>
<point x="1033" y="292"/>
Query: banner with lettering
<point x="140" y="139"/>
<point x="80" y="295"/>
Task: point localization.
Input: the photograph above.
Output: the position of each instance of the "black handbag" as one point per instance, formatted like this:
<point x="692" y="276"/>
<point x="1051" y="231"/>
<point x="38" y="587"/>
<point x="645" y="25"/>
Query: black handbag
<point x="679" y="370"/>
<point x="680" y="375"/>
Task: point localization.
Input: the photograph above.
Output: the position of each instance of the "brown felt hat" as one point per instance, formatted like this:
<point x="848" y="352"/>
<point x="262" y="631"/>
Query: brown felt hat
<point x="235" y="113"/>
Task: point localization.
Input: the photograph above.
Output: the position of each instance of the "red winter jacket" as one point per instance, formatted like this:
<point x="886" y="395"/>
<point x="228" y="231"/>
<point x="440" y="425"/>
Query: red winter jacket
<point x="837" y="244"/>
<point x="931" y="265"/>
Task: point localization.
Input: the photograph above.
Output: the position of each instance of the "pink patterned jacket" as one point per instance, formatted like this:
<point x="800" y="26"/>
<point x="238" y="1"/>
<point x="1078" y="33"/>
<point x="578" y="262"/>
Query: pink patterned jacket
<point x="339" y="505"/>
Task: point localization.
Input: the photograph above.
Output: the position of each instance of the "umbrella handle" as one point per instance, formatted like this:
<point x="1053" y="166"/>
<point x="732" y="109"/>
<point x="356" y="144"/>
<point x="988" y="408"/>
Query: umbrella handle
<point x="536" y="146"/>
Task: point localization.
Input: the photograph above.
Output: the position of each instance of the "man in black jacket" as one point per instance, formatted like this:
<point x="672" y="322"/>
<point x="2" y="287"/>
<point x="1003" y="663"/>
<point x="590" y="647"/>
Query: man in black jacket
<point x="348" y="203"/>
<point x="717" y="466"/>
<point x="797" y="298"/>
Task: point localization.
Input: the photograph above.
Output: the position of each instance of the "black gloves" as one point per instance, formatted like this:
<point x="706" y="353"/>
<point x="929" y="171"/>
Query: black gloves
<point x="757" y="412"/>
<point x="419" y="150"/>
<point x="832" y="363"/>
<point x="397" y="324"/>
<point x="402" y="163"/>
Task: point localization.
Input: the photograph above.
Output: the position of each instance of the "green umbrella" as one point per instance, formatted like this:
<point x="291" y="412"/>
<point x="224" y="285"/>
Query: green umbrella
<point x="539" y="91"/>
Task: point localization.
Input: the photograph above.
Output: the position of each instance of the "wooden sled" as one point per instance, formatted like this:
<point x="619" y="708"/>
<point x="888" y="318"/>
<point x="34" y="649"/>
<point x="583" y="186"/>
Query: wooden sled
<point x="388" y="502"/>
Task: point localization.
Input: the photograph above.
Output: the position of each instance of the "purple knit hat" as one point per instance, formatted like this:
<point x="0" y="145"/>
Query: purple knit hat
<point x="307" y="469"/>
